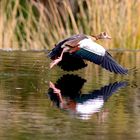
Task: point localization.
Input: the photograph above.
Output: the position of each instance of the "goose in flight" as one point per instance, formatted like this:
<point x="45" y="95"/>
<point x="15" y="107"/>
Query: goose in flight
<point x="71" y="52"/>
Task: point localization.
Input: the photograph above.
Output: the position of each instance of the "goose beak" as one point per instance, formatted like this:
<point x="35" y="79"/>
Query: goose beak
<point x="109" y="37"/>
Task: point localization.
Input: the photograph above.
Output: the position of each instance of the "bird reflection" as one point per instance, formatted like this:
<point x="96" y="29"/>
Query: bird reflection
<point x="66" y="94"/>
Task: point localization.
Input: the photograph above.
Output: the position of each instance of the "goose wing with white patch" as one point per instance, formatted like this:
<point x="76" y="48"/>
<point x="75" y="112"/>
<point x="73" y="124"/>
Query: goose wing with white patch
<point x="97" y="54"/>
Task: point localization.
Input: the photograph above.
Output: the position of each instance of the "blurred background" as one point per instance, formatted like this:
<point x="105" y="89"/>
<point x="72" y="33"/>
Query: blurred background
<point x="39" y="24"/>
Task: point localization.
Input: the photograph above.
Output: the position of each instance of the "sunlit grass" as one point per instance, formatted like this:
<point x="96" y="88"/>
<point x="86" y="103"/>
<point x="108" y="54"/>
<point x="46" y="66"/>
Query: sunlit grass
<point x="29" y="24"/>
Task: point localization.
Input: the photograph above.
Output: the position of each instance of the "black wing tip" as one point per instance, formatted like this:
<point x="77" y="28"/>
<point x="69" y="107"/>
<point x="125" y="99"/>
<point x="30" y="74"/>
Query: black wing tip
<point x="121" y="71"/>
<point x="49" y="54"/>
<point x="110" y="64"/>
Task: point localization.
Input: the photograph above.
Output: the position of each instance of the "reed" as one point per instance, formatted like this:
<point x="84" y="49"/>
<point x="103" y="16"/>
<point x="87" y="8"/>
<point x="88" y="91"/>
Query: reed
<point x="33" y="25"/>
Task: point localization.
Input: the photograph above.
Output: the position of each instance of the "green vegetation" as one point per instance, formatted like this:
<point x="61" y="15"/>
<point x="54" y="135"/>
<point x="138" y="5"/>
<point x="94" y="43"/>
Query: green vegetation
<point x="30" y="24"/>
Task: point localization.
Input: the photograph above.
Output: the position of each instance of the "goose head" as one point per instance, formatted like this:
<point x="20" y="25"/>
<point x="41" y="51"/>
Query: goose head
<point x="102" y="35"/>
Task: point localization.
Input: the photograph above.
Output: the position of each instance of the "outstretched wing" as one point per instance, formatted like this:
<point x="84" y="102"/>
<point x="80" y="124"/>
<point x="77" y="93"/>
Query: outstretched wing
<point x="106" y="60"/>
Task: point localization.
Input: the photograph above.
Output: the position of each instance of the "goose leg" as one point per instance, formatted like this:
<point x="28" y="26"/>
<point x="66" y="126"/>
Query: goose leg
<point x="56" y="61"/>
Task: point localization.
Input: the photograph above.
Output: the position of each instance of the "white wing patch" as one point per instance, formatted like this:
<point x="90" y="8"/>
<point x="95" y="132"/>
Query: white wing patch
<point x="91" y="46"/>
<point x="89" y="107"/>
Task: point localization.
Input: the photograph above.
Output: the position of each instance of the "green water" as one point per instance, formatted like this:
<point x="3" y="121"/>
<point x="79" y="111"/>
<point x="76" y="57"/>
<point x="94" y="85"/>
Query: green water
<point x="28" y="113"/>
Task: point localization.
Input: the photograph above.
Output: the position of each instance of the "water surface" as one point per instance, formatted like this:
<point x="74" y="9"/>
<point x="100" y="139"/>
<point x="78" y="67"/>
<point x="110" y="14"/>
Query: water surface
<point x="30" y="110"/>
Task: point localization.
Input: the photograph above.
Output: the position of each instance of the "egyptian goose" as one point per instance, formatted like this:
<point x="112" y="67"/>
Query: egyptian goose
<point x="70" y="52"/>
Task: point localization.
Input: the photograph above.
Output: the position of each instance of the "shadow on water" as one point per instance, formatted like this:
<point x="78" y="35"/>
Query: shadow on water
<point x="66" y="94"/>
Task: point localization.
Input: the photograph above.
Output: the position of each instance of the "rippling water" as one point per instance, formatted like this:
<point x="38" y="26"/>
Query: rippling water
<point x="96" y="103"/>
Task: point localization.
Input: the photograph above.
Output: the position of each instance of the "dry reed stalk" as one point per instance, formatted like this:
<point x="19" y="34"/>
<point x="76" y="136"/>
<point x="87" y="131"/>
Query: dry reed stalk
<point x="47" y="24"/>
